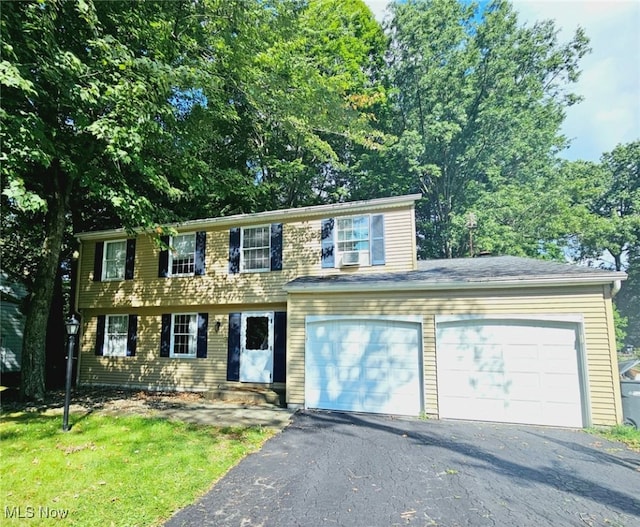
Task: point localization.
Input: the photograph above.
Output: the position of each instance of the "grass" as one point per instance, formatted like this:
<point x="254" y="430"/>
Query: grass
<point x="111" y="471"/>
<point x="625" y="434"/>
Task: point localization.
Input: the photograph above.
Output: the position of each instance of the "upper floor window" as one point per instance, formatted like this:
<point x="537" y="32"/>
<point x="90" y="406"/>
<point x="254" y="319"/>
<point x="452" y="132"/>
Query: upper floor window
<point x="114" y="260"/>
<point x="186" y="256"/>
<point x="182" y="257"/>
<point x="256" y="248"/>
<point x="115" y="256"/>
<point x="353" y="241"/>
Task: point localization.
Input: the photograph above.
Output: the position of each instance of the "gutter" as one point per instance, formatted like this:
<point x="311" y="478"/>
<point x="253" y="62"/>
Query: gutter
<point x="425" y="285"/>
<point x="256" y="218"/>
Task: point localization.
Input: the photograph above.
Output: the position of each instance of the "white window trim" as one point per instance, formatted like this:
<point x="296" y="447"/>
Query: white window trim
<point x="336" y="242"/>
<point x="262" y="269"/>
<point x="105" y="347"/>
<point x="243" y="327"/>
<point x="195" y="249"/>
<point x="194" y="343"/>
<point x="104" y="277"/>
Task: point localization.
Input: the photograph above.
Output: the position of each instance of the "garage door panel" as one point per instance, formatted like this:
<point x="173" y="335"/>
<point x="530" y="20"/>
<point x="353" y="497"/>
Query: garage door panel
<point x="516" y="371"/>
<point x="374" y="366"/>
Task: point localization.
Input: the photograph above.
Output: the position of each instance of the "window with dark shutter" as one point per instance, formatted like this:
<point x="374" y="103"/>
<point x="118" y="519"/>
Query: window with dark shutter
<point x="280" y="346"/>
<point x="201" y="244"/>
<point x="233" y="351"/>
<point x="377" y="239"/>
<point x="165" y="335"/>
<point x="163" y="260"/>
<point x="327" y="244"/>
<point x="234" y="250"/>
<point x="130" y="260"/>
<point x="101" y="319"/>
<point x="276" y="246"/>
<point x="132" y="336"/>
<point x="203" y="324"/>
<point x="97" y="262"/>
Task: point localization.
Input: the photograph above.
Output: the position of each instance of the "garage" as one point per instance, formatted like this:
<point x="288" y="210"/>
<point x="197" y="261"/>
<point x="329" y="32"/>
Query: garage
<point x="364" y="364"/>
<point x="512" y="370"/>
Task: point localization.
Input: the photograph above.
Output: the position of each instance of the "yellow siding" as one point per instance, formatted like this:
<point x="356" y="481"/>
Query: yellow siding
<point x="589" y="301"/>
<point x="301" y="256"/>
<point x="147" y="369"/>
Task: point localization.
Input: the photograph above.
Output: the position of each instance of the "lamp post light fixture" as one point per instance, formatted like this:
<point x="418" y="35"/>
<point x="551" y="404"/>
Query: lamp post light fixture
<point x="72" y="326"/>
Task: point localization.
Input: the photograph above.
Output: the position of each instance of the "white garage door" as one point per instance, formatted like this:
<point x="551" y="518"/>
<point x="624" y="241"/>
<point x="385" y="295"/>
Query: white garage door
<point x="364" y="365"/>
<point x="514" y="371"/>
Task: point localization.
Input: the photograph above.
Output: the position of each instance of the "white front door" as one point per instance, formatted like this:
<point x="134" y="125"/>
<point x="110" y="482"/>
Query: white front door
<point x="256" y="348"/>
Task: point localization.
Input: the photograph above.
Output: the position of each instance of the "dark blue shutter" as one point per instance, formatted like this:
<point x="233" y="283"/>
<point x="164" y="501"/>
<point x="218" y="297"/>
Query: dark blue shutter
<point x="165" y="336"/>
<point x="203" y="324"/>
<point x="326" y="240"/>
<point x="377" y="239"/>
<point x="97" y="262"/>
<point x="234" y="250"/>
<point x="233" y="352"/>
<point x="276" y="246"/>
<point x="131" y="259"/>
<point x="132" y="335"/>
<point x="280" y="346"/>
<point x="201" y="245"/>
<point x="100" y="335"/>
<point x="163" y="261"/>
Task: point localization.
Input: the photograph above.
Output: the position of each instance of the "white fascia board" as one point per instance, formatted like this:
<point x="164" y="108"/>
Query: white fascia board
<point x="288" y="215"/>
<point x="417" y="285"/>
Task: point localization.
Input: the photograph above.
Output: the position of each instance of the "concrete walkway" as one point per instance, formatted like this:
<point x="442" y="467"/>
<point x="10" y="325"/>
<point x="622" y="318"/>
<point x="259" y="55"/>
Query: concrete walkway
<point x="221" y="414"/>
<point x="183" y="407"/>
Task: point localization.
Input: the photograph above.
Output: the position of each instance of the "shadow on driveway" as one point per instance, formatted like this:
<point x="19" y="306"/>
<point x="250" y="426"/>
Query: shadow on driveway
<point x="363" y="470"/>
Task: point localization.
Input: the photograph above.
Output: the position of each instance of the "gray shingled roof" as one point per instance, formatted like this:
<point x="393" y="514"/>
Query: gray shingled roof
<point x="461" y="272"/>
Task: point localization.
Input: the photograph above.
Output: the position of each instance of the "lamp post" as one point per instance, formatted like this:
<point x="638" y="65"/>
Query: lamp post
<point x="72" y="326"/>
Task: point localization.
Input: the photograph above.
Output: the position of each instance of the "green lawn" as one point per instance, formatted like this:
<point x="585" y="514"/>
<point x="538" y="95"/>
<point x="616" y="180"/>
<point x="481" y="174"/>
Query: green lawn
<point x="120" y="471"/>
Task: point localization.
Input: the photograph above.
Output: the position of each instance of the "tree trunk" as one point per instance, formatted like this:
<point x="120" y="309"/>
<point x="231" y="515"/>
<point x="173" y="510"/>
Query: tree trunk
<point x="39" y="305"/>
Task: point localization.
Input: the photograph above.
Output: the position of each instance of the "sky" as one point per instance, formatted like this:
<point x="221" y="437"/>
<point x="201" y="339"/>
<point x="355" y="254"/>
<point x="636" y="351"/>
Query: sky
<point x="609" y="113"/>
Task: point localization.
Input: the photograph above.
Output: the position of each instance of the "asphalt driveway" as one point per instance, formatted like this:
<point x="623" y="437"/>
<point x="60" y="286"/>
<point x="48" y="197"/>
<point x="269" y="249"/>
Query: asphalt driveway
<point x="365" y="470"/>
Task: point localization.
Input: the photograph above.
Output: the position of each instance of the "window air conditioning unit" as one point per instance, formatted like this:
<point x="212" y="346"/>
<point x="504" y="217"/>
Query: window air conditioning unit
<point x="351" y="258"/>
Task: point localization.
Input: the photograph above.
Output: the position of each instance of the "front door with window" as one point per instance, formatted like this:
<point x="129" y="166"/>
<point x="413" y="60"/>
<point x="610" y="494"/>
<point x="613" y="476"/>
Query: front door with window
<point x="256" y="348"/>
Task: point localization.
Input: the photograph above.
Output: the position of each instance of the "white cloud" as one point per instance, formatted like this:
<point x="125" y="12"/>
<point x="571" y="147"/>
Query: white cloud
<point x="610" y="83"/>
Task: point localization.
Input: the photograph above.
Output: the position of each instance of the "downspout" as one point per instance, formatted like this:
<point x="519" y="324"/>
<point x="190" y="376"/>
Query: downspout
<point x="615" y="287"/>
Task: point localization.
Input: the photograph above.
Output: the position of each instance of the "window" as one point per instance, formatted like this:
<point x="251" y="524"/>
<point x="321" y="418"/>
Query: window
<point x="182" y="257"/>
<point x="116" y="335"/>
<point x="116" y="332"/>
<point x="352" y="241"/>
<point x="114" y="260"/>
<point x="184" y="335"/>
<point x="256" y="248"/>
<point x="353" y="234"/>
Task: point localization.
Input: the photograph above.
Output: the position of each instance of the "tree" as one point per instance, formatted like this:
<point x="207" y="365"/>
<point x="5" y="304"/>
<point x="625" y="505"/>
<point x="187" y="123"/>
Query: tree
<point x="86" y="89"/>
<point x="477" y="104"/>
<point x="139" y="113"/>
<point x="614" y="225"/>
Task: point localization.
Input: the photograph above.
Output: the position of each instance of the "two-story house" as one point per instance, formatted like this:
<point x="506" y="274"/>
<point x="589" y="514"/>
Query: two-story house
<point x="329" y="305"/>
